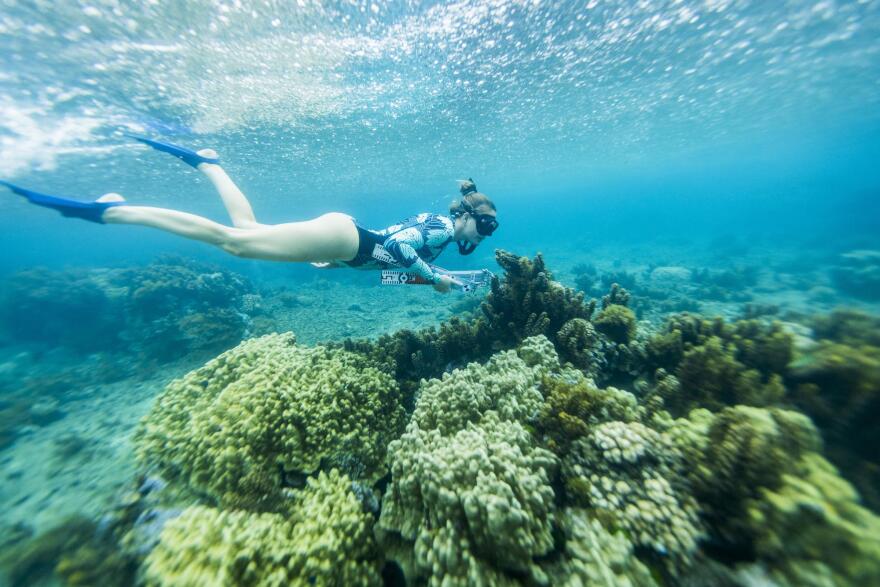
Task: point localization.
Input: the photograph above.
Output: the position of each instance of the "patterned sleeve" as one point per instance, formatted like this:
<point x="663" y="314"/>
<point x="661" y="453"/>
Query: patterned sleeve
<point x="403" y="245"/>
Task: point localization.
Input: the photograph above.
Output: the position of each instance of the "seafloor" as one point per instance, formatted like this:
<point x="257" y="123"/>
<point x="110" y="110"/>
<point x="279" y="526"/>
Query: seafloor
<point x="675" y="414"/>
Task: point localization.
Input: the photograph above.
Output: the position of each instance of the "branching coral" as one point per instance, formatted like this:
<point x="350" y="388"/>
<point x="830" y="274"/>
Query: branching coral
<point x="528" y="302"/>
<point x="719" y="364"/>
<point x="231" y="429"/>
<point x="327" y="541"/>
<point x="578" y="343"/>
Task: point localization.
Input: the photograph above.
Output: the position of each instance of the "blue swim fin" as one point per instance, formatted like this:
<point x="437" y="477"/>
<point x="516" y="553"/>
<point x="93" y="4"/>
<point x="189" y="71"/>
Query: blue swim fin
<point x="91" y="211"/>
<point x="186" y="155"/>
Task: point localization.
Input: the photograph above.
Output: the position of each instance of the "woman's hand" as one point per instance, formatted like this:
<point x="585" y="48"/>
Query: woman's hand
<point x="444" y="283"/>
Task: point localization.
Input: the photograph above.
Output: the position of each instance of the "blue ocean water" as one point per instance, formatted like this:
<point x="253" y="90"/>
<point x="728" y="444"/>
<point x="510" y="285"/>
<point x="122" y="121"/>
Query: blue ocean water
<point x="711" y="133"/>
<point x="620" y="119"/>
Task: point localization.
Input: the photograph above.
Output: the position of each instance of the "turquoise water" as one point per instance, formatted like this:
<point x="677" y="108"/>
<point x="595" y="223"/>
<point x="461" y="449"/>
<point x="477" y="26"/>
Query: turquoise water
<point x="714" y="135"/>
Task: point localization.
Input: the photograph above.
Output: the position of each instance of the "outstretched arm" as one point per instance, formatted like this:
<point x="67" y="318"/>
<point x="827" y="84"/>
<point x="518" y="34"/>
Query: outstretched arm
<point x="401" y="246"/>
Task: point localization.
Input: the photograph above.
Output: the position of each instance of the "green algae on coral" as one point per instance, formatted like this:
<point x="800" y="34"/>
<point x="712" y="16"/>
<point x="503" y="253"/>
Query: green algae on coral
<point x="573" y="406"/>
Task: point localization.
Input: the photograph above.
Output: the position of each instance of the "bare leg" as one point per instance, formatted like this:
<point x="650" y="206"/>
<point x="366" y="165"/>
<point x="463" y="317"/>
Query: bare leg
<point x="331" y="237"/>
<point x="237" y="205"/>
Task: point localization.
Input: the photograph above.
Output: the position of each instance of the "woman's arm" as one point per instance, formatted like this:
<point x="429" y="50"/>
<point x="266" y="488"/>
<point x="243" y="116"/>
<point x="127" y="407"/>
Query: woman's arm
<point x="431" y="231"/>
<point x="402" y="246"/>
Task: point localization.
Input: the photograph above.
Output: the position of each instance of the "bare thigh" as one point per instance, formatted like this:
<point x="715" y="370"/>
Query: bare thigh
<point x="331" y="237"/>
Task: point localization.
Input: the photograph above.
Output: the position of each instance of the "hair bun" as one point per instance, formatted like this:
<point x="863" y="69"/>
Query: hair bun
<point x="467" y="187"/>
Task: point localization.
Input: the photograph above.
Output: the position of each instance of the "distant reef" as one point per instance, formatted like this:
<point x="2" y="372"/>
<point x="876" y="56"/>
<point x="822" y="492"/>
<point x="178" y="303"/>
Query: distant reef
<point x="543" y="439"/>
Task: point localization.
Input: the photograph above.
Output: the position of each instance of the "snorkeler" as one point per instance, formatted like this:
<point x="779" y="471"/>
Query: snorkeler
<point x="331" y="240"/>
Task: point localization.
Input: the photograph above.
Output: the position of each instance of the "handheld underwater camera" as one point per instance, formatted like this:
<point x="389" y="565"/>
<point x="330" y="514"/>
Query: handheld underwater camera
<point x="470" y="280"/>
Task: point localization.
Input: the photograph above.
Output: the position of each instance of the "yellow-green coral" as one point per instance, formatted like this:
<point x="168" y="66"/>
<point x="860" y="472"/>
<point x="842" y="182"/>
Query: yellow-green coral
<point x="231" y="429"/>
<point x="509" y="383"/>
<point x="813" y="532"/>
<point x="326" y="541"/>
<point x="472" y="505"/>
<point x="617" y="323"/>
<point x="574" y="405"/>
<point x="629" y="475"/>
<point x="744" y="449"/>
<point x="594" y="556"/>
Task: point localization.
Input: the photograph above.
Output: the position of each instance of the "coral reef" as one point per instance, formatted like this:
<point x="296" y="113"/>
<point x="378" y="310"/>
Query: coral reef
<point x="742" y="449"/>
<point x="545" y="445"/>
<point x="470" y="499"/>
<point x="529" y="302"/>
<point x="326" y="541"/>
<point x="59" y="308"/>
<point x="813" y="530"/>
<point x="578" y="343"/>
<point x="167" y="308"/>
<point x="718" y="364"/>
<point x="235" y="428"/>
<point x="509" y="384"/>
<point x="573" y="406"/>
<point x="837" y="382"/>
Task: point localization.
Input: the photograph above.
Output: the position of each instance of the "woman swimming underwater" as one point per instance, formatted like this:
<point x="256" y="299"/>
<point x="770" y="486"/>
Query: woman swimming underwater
<point x="333" y="239"/>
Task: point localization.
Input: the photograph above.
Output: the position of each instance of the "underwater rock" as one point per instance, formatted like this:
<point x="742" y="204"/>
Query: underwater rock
<point x="858" y="274"/>
<point x="670" y="275"/>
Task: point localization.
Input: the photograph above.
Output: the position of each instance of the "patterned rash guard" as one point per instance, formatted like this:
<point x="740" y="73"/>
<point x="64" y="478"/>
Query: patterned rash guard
<point x="411" y="244"/>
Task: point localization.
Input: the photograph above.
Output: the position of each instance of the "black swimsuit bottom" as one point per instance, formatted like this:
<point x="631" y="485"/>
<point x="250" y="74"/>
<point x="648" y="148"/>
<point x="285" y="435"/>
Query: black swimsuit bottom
<point x="367" y="241"/>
